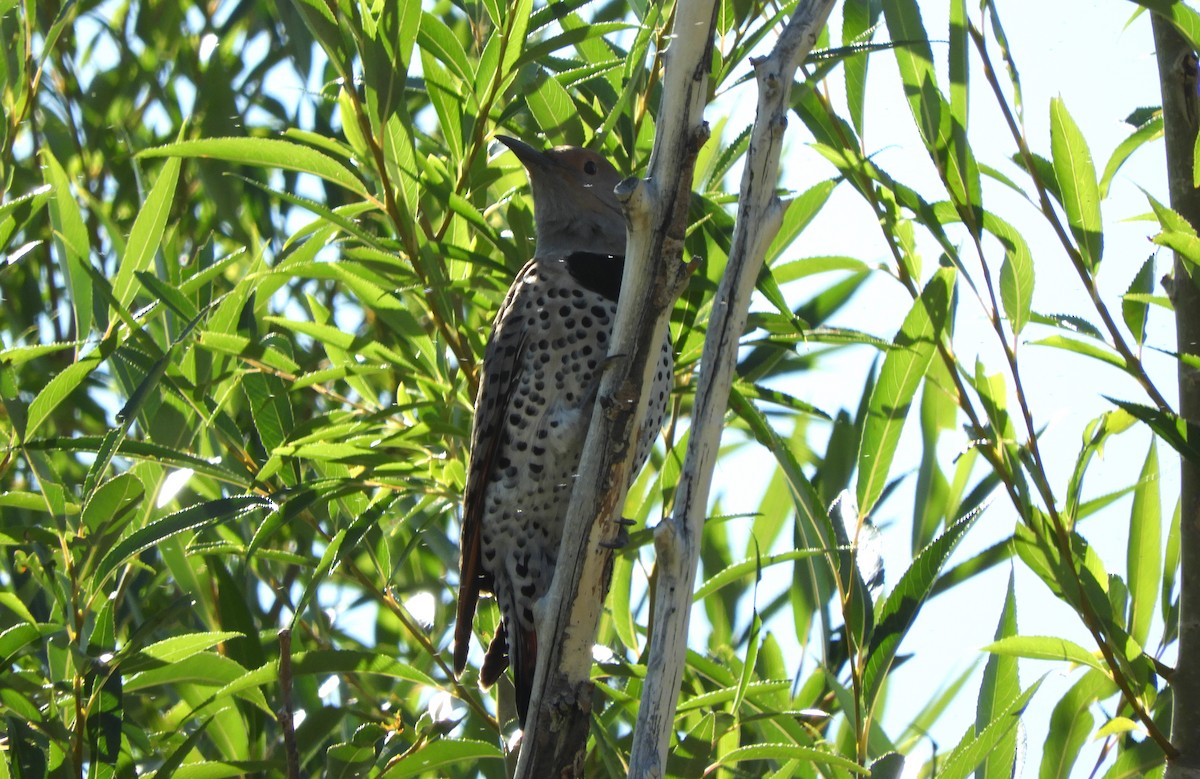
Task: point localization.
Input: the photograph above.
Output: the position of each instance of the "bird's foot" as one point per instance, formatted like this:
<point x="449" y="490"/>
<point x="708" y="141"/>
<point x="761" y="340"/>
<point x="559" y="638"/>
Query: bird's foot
<point x="606" y="363"/>
<point x="622" y="539"/>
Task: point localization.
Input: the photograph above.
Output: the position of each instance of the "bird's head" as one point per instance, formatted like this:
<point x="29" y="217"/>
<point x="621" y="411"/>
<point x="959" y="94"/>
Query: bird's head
<point x="574" y="207"/>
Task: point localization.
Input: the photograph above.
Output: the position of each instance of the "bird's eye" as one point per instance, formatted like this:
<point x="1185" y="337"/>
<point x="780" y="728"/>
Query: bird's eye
<point x="589" y="168"/>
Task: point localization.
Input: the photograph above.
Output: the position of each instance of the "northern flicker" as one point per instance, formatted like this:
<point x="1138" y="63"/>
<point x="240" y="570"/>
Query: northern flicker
<point x="541" y="371"/>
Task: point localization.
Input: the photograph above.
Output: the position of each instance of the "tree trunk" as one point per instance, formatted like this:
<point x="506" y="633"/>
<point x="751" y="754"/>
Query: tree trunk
<point x="1177" y="77"/>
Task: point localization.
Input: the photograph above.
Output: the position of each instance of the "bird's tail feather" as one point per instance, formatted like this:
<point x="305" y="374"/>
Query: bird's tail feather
<point x="523" y="653"/>
<point x="496" y="658"/>
<point x="468" y="598"/>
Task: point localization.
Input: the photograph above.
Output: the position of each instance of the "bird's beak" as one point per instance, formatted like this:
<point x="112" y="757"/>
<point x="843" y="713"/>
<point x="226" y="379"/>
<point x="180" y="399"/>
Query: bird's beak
<point x="530" y="157"/>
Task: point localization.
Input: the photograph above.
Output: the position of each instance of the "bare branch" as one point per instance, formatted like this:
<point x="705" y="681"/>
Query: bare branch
<point x="677" y="539"/>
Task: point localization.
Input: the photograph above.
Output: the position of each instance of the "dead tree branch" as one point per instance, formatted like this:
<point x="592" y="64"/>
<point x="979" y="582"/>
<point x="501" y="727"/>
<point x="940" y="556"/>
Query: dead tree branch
<point x="677" y="539"/>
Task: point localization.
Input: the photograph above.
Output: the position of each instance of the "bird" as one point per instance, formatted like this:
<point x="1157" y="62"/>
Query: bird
<point x="540" y="375"/>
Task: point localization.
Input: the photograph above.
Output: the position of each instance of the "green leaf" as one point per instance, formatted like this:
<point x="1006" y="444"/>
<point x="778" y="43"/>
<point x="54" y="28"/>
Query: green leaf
<point x="904" y="602"/>
<point x="25" y="207"/>
<point x="933" y="502"/>
<point x="191" y="518"/>
<point x="1073" y="324"/>
<point x="398" y="148"/>
<point x="348" y="760"/>
<point x="959" y="63"/>
<point x="1177" y="233"/>
<point x="542" y="51"/>
<point x="858" y="20"/>
<point x="438" y="753"/>
<point x="19" y="355"/>
<point x="112" y="504"/>
<point x="446" y="94"/>
<point x="519" y="17"/>
<point x="554" y="111"/>
<point x="977" y="745"/>
<point x="241" y="346"/>
<point x="858" y="566"/>
<point x="1170" y="562"/>
<point x="1095" y="351"/>
<point x="167" y="294"/>
<point x="270" y="404"/>
<point x="759" y="392"/>
<point x="176" y="648"/>
<point x="137" y="399"/>
<point x="808" y="266"/>
<point x="1143" y="760"/>
<point x="1135" y="307"/>
<point x="439" y="40"/>
<point x="914" y="56"/>
<point x="1144" y="556"/>
<point x="146" y="236"/>
<point x="960" y="172"/>
<point x="813" y="529"/>
<point x="145" y="452"/>
<point x="753" y="647"/>
<point x="1046" y="648"/>
<point x="732" y="573"/>
<point x="1007" y="54"/>
<point x="993" y="396"/>
<point x="708" y="700"/>
<point x="1185" y="20"/>
<point x="890" y="766"/>
<point x="207" y="669"/>
<point x="59" y="388"/>
<point x="781" y="752"/>
<point x="345" y="661"/>
<point x="1076" y="176"/>
<point x="1182" y="436"/>
<point x="329" y="560"/>
<point x="1000" y="687"/>
<point x="798" y="214"/>
<point x="104" y="719"/>
<point x="905" y="365"/>
<point x="1016" y="274"/>
<point x="622" y="602"/>
<point x="17" y="606"/>
<point x="1071" y="723"/>
<point x="265" y="153"/>
<point x="21" y="499"/>
<point x="70" y="241"/>
<point x="17" y="637"/>
<point x="1146" y="133"/>
<point x="346" y="217"/>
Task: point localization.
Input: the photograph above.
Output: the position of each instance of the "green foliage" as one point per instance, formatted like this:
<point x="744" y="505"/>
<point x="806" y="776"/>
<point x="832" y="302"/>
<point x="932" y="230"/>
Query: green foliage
<point x="251" y="256"/>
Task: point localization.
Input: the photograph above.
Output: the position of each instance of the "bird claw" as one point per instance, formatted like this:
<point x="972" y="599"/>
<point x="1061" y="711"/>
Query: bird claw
<point x="604" y="365"/>
<point x="622" y="539"/>
<point x="608" y="360"/>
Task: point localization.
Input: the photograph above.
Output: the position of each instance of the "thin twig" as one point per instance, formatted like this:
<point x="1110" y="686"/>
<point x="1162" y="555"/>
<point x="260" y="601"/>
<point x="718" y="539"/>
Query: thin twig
<point x="286" y="718"/>
<point x="1062" y="534"/>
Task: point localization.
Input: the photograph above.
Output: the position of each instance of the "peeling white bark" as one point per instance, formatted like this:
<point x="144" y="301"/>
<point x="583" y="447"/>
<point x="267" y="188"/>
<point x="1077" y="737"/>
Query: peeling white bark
<point x="677" y="539"/>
